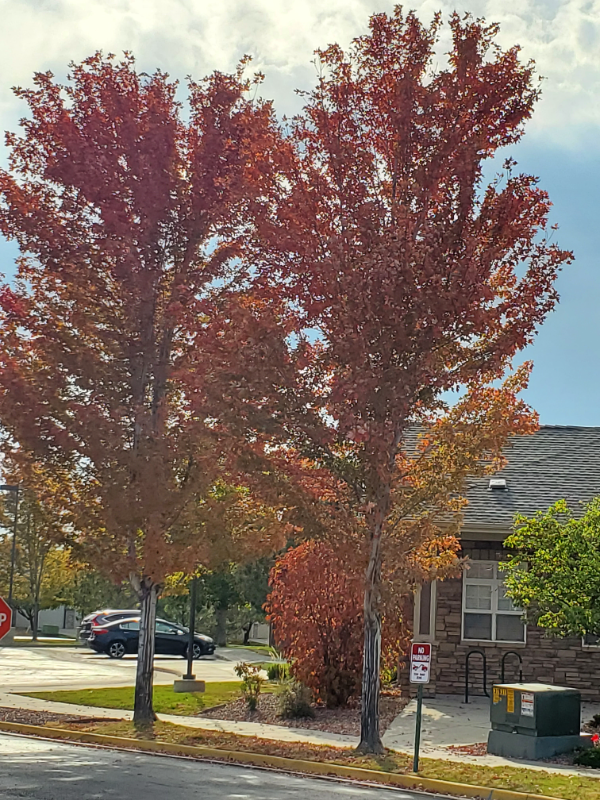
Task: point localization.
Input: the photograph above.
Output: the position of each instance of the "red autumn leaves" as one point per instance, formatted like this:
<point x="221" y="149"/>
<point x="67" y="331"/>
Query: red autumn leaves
<point x="214" y="297"/>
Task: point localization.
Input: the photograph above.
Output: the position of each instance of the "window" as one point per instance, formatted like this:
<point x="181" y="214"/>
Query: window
<point x="488" y="614"/>
<point x="134" y="625"/>
<point x="424" y="623"/>
<point x="164" y="627"/>
<point x="591" y="640"/>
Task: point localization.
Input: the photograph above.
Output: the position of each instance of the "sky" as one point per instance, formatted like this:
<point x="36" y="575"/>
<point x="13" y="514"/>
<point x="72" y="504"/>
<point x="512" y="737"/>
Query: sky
<point x="195" y="37"/>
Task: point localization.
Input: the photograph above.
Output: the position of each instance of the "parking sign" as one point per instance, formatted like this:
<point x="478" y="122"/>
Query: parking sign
<point x="420" y="662"/>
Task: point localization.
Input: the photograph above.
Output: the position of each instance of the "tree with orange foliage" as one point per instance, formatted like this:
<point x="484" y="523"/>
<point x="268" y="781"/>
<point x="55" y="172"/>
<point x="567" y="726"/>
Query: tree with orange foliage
<point x="315" y="605"/>
<point x="409" y="276"/>
<point x="130" y="216"/>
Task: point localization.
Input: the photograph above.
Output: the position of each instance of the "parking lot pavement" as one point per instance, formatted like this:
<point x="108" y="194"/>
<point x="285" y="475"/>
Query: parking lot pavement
<point x="25" y="669"/>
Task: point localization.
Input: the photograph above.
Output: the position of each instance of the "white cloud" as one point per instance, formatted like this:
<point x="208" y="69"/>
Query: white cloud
<point x="195" y="36"/>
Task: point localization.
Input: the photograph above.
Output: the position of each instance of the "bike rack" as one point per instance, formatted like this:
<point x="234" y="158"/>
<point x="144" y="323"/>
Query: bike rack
<point x="481" y="653"/>
<point x="518" y="655"/>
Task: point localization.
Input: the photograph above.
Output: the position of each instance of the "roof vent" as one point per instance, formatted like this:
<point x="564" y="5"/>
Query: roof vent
<point x="497" y="483"/>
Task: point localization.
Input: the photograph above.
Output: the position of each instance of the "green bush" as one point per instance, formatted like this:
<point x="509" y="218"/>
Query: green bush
<point x="295" y="702"/>
<point x="589" y="758"/>
<point x="252" y="682"/>
<point x="278" y="672"/>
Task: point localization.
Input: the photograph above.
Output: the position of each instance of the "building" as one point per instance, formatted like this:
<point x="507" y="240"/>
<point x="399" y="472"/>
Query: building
<point x="472" y="613"/>
<point x="61" y="621"/>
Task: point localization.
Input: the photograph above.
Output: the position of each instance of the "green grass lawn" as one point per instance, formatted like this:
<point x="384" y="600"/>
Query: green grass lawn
<point x="166" y="701"/>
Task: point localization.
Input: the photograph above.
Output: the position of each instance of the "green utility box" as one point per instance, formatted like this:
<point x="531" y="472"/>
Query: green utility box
<point x="535" y="720"/>
<point x="50" y="630"/>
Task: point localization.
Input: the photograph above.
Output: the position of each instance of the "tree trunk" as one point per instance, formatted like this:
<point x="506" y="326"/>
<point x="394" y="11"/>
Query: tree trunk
<point x="143" y="710"/>
<point x="370" y="740"/>
<point x="35" y="617"/>
<point x="221" y="635"/>
<point x="34" y="622"/>
<point x="247" y="628"/>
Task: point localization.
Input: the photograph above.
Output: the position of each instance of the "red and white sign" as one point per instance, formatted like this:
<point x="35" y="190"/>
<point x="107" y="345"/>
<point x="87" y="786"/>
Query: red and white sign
<point x="420" y="662"/>
<point x="527" y="704"/>
<point x="5" y="617"/>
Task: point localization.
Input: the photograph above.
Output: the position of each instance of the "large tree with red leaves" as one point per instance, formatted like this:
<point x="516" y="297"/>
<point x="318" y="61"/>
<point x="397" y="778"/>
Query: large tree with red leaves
<point x="408" y="276"/>
<point x="130" y="213"/>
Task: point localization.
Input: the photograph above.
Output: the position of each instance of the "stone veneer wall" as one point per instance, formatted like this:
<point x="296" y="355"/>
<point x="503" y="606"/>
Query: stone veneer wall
<point x="563" y="662"/>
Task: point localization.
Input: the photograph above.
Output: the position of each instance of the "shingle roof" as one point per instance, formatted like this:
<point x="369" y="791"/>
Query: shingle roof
<point x="554" y="463"/>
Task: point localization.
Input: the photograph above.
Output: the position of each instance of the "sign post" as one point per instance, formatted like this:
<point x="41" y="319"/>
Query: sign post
<point x="5" y="617"/>
<point x="420" y="673"/>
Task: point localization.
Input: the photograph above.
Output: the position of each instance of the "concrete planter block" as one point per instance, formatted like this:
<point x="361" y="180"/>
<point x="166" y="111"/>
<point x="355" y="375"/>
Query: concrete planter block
<point x="188" y="686"/>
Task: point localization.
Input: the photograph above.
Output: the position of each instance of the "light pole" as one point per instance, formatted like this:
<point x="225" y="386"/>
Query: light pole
<point x="10" y="488"/>
<point x="188" y="682"/>
<point x="189" y="676"/>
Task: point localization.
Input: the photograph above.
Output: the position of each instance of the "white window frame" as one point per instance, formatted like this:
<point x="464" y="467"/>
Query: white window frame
<point x="425" y="637"/>
<point x="495" y="583"/>
<point x="586" y="646"/>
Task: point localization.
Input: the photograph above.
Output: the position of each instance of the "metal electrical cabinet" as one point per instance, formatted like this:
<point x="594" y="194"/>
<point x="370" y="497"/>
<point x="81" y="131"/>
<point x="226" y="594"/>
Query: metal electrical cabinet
<point x="535" y="720"/>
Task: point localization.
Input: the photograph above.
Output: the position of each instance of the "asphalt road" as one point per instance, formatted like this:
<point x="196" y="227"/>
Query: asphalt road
<point x="33" y="769"/>
<point x="28" y="669"/>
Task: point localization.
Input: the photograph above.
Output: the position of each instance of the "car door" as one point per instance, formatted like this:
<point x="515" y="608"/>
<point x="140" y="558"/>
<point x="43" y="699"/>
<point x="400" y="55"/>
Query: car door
<point x="170" y="640"/>
<point x="131" y="630"/>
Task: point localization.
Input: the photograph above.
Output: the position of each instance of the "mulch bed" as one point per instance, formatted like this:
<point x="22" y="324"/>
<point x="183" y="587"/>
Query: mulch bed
<point x="332" y="720"/>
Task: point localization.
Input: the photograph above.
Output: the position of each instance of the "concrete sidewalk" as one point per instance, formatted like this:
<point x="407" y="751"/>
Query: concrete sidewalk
<point x="237" y="654"/>
<point x="444" y="723"/>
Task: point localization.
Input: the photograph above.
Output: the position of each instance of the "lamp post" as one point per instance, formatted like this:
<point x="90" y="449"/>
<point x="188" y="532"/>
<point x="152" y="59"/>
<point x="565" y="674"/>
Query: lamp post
<point x="10" y="488"/>
<point x="189" y="676"/>
<point x="188" y="683"/>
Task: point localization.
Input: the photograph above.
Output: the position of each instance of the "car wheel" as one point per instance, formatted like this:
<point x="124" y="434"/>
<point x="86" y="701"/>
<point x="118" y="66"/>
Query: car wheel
<point x="196" y="653"/>
<point x="116" y="650"/>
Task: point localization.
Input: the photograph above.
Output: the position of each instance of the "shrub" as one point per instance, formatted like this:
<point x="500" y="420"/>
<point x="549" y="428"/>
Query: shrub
<point x="278" y="672"/>
<point x="389" y="675"/>
<point x="589" y="758"/>
<point x="295" y="702"/>
<point x="252" y="682"/>
<point x="316" y="609"/>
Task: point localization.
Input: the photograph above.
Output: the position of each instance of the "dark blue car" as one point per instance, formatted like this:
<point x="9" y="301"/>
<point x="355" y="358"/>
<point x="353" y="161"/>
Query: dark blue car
<point x="121" y="636"/>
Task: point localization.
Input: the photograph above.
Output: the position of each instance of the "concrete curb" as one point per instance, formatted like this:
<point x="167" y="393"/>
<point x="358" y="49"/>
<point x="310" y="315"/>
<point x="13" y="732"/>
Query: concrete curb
<point x="275" y="762"/>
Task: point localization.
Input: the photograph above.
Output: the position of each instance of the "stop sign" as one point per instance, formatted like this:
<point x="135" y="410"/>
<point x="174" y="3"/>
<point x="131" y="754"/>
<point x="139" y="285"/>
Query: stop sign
<point x="5" y="617"/>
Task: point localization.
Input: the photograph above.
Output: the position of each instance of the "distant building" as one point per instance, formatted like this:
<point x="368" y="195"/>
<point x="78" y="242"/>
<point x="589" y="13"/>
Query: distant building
<point x="61" y="620"/>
